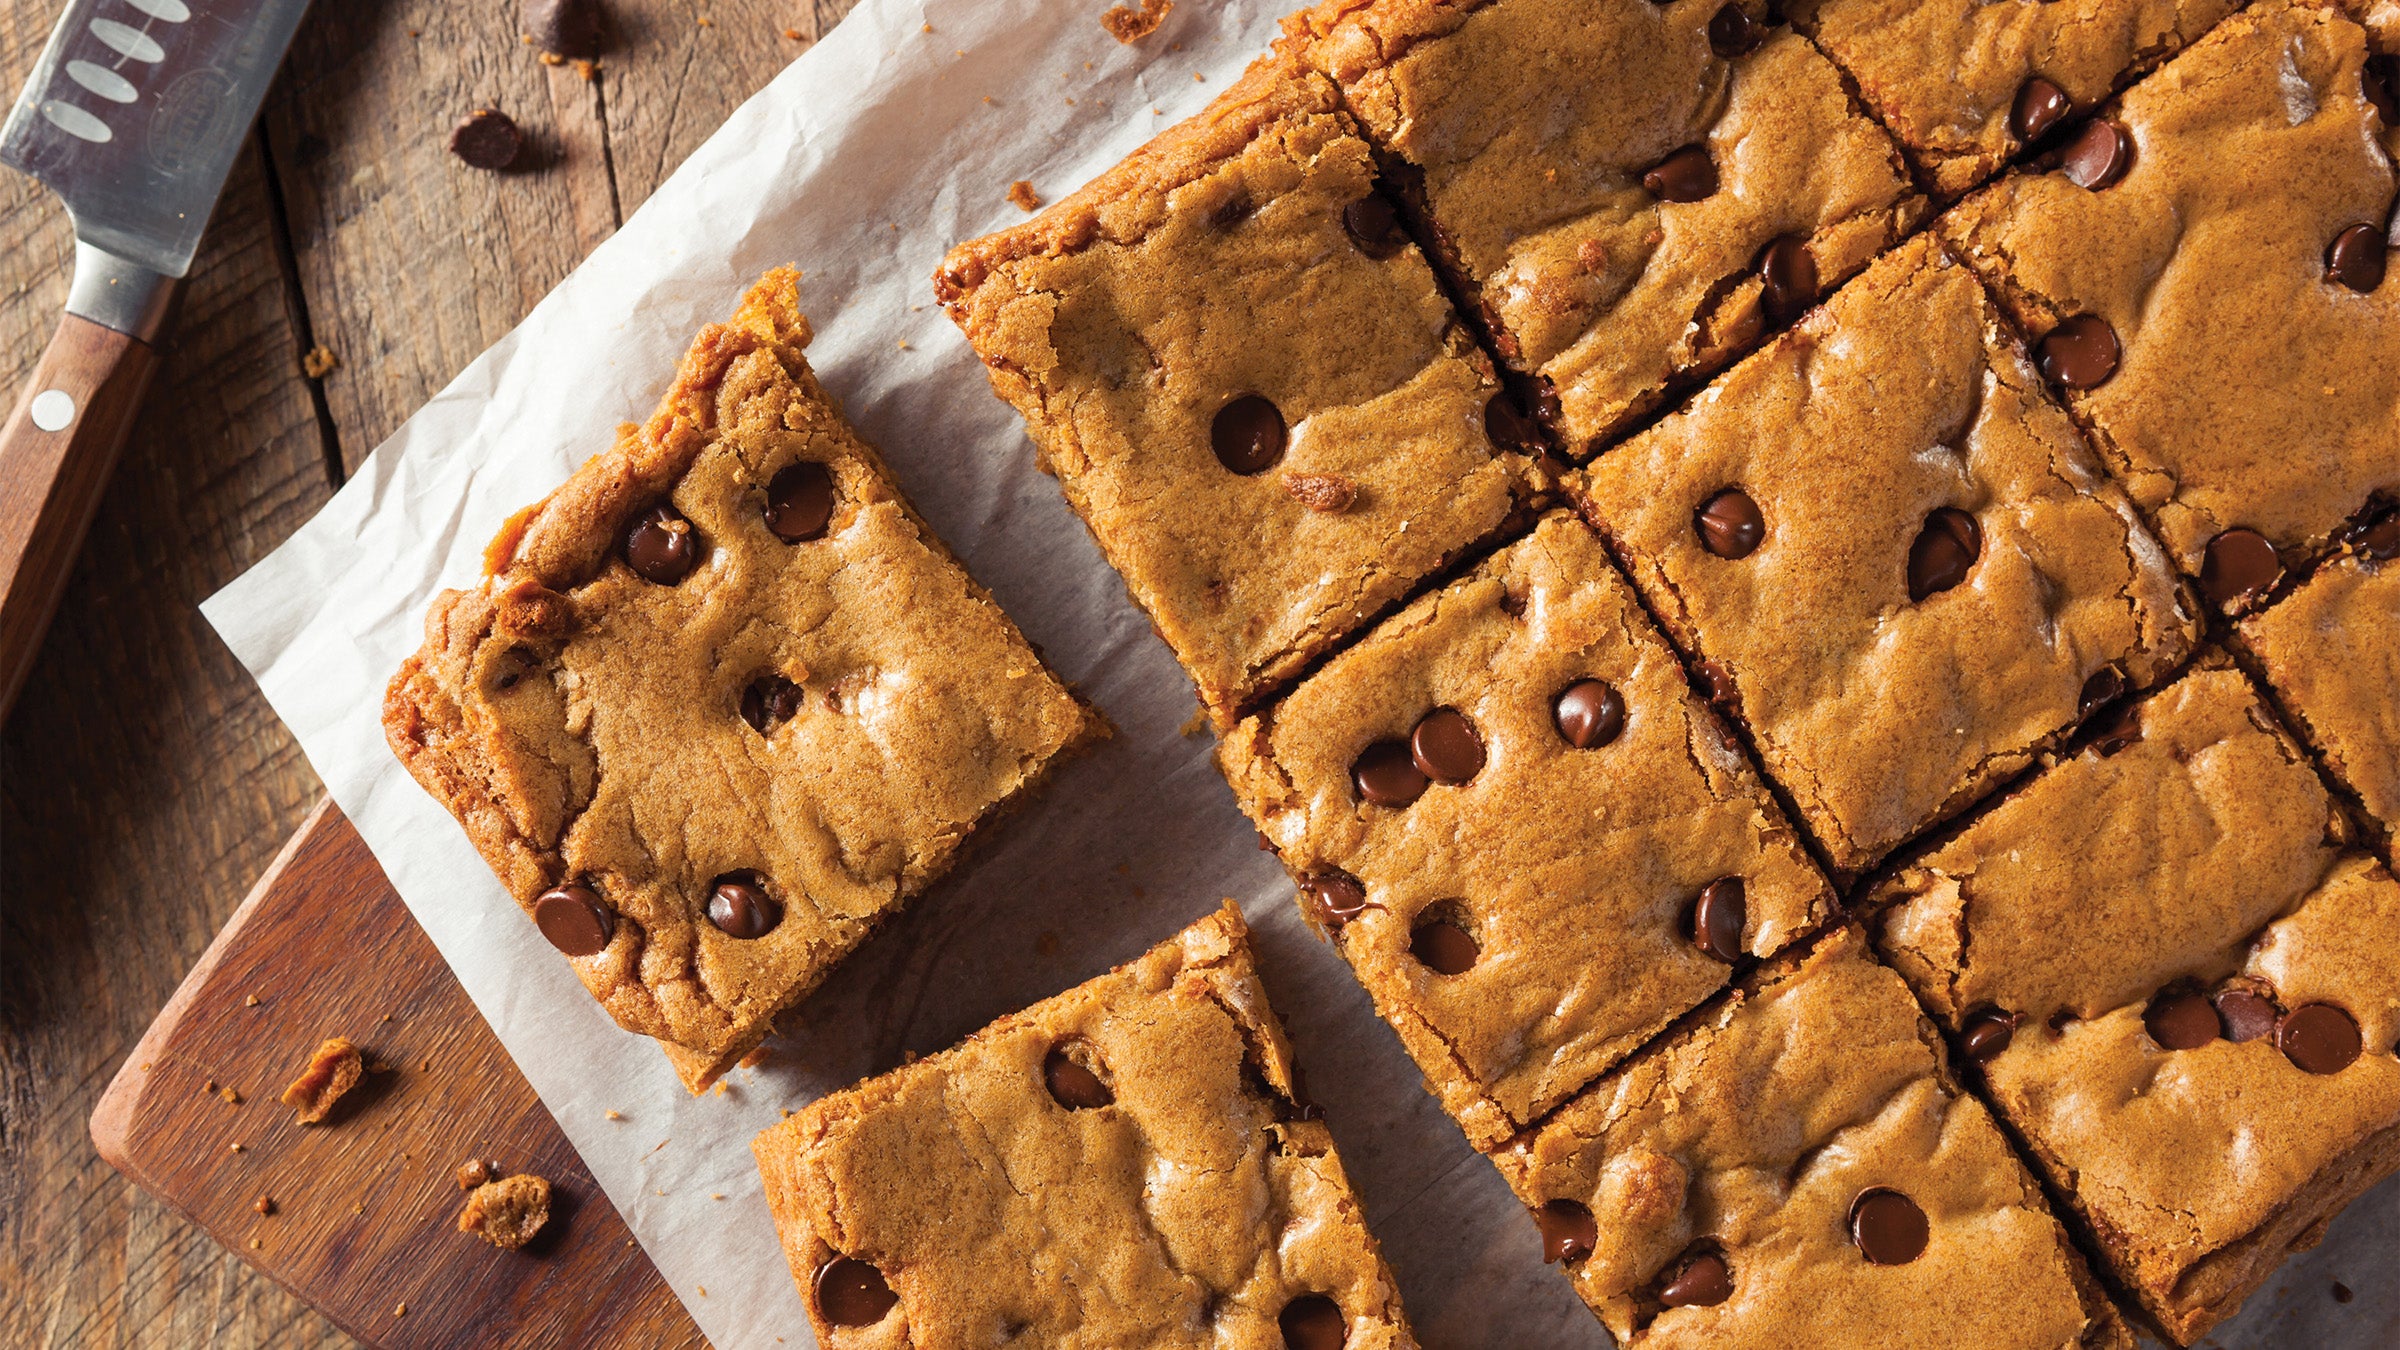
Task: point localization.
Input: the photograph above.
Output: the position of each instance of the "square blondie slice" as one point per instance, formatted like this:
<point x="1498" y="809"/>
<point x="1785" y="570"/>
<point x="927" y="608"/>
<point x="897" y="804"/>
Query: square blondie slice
<point x="2222" y="315"/>
<point x="2181" y="985"/>
<point x="1893" y="555"/>
<point x="722" y="702"/>
<point x="1795" y="1167"/>
<point x="1124" y="1164"/>
<point x="1630" y="193"/>
<point x="1248" y="383"/>
<point x="1535" y="845"/>
<point x="1966" y="84"/>
<point x="2331" y="649"/>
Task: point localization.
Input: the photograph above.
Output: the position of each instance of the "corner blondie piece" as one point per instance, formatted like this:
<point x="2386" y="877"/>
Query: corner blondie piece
<point x="1631" y="193"/>
<point x="2332" y="650"/>
<point x="2182" y="987"/>
<point x="1123" y="1164"/>
<point x="1534" y="844"/>
<point x="1248" y="383"/>
<point x="2222" y="315"/>
<point x="1965" y="84"/>
<point x="722" y="702"/>
<point x="1892" y="554"/>
<point x="1796" y="1168"/>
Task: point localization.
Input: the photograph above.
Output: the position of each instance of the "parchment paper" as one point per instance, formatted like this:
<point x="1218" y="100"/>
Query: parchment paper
<point x="862" y="163"/>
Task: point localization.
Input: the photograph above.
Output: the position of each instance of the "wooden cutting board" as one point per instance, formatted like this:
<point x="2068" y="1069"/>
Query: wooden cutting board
<point x="363" y="1208"/>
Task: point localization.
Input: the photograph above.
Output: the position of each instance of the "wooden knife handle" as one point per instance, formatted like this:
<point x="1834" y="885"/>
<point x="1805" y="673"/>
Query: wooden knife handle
<point x="56" y="451"/>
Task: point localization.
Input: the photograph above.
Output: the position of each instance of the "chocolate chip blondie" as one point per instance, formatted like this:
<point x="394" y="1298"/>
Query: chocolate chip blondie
<point x="1124" y="1164"/>
<point x="722" y="702"/>
<point x="1533" y="842"/>
<point x="1249" y="384"/>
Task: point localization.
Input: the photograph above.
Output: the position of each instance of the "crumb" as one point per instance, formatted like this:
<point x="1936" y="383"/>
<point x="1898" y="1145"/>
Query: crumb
<point x="1329" y="493"/>
<point x="1198" y="78"/>
<point x="230" y="1095"/>
<point x="703" y="1289"/>
<point x="1130" y="26"/>
<point x="474" y="1172"/>
<point x="358" y="1208"/>
<point x="507" y="1213"/>
<point x="589" y="70"/>
<point x="252" y="1000"/>
<point x="787" y="1113"/>
<point x="332" y="1071"/>
<point x="903" y="344"/>
<point x="720" y="1089"/>
<point x="794" y="34"/>
<point x="399" y="1310"/>
<point x="1022" y="196"/>
<point x="265" y="1204"/>
<point x="237" y="1148"/>
<point x="987" y="98"/>
<point x="929" y="28"/>
<point x="716" y="1195"/>
<point x="707" y="22"/>
<point x="614" y="1115"/>
<point x="552" y="59"/>
<point x="255" y="1244"/>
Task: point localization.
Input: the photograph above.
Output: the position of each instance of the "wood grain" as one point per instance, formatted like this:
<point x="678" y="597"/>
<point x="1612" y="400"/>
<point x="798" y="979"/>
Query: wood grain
<point x="363" y="1206"/>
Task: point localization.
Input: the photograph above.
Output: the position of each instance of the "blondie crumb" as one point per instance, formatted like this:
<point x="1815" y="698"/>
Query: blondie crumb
<point x="507" y="1213"/>
<point x="1128" y="25"/>
<point x="332" y="1071"/>
<point x="1022" y="196"/>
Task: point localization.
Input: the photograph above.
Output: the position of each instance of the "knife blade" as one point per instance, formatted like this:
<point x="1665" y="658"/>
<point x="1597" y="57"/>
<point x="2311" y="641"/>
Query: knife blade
<point x="133" y="116"/>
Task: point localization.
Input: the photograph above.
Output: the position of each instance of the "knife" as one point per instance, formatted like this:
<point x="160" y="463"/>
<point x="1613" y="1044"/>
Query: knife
<point x="133" y="117"/>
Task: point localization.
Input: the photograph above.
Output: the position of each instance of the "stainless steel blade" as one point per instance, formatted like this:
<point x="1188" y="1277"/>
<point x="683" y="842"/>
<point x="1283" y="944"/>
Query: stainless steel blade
<point x="136" y="110"/>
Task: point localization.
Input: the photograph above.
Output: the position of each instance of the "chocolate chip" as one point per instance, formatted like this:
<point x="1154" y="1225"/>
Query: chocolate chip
<point x="1588" y="714"/>
<point x="2355" y="258"/>
<point x="2238" y="565"/>
<point x="487" y="139"/>
<point x="1074" y="1086"/>
<point x="1704" y="1282"/>
<point x="1688" y="175"/>
<point x="2377" y="537"/>
<point x="2040" y="106"/>
<point x="1945" y="551"/>
<point x="1443" y="947"/>
<point x="2122" y="729"/>
<point x="1730" y="524"/>
<point x="1987" y="1034"/>
<point x="1338" y="897"/>
<point x="1248" y="435"/>
<point x="770" y="699"/>
<point x="2181" y="1020"/>
<point x="2247" y="1015"/>
<point x="851" y="1293"/>
<point x="1445" y="748"/>
<point x="1888" y="1227"/>
<point x="2104" y="685"/>
<point x="1790" y="275"/>
<point x="2081" y="353"/>
<point x="568" y="28"/>
<point x="1718" y="916"/>
<point x="800" y="502"/>
<point x="738" y="904"/>
<point x="1716" y="685"/>
<point x="2098" y="156"/>
<point x="1569" y="1232"/>
<point x="1508" y="428"/>
<point x="1313" y="1322"/>
<point x="661" y="546"/>
<point x="1732" y="32"/>
<point x="2381" y="81"/>
<point x="2318" y="1037"/>
<point x="575" y="919"/>
<point x="1374" y="226"/>
<point x="1386" y="774"/>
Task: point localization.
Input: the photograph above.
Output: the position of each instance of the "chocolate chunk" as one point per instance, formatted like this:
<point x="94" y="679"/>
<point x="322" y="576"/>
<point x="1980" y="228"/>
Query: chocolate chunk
<point x="1386" y="774"/>
<point x="2040" y="106"/>
<point x="487" y="139"/>
<point x="1445" y="748"/>
<point x="1248" y="435"/>
<point x="2381" y="81"/>
<point x="1987" y="1034"/>
<point x="2181" y="1020"/>
<point x="2318" y="1037"/>
<point x="661" y="546"/>
<point x="1688" y="175"/>
<point x="738" y="904"/>
<point x="851" y="1293"/>
<point x="2377" y="537"/>
<point x="1888" y="1227"/>
<point x="2081" y="353"/>
<point x="770" y="699"/>
<point x="568" y="28"/>
<point x="1732" y="32"/>
<point x="1945" y="551"/>
<point x="1716" y="685"/>
<point x="1589" y="714"/>
<point x="1790" y="277"/>
<point x="1337" y="896"/>
<point x="1374" y="226"/>
<point x="1313" y="1322"/>
<point x="1443" y="947"/>
<point x="2355" y="258"/>
<point x="2098" y="156"/>
<point x="1569" y="1232"/>
<point x="2238" y="565"/>
<point x="800" y="502"/>
<point x="2123" y="729"/>
<point x="1704" y="1282"/>
<point x="2104" y="685"/>
<point x="1718" y="916"/>
<point x="575" y="919"/>
<point x="1508" y="428"/>
<point x="2247" y="1015"/>
<point x="1730" y="524"/>
<point x="1077" y="1088"/>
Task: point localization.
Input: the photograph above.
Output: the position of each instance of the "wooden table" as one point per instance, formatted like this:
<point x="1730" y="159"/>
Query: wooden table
<point x="144" y="784"/>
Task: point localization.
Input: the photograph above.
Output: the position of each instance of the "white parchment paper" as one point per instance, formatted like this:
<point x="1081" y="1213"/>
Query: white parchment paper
<point x="863" y="162"/>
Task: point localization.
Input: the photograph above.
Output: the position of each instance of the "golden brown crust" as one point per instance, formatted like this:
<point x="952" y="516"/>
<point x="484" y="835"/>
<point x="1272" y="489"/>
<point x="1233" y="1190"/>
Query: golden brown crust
<point x="2332" y="651"/>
